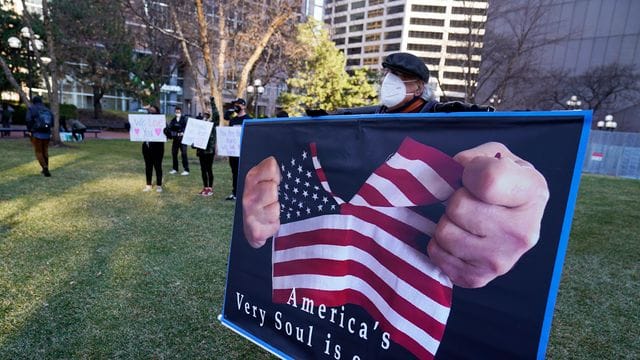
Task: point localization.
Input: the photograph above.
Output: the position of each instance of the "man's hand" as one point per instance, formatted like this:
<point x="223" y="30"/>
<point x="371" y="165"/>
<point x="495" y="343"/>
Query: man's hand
<point x="260" y="206"/>
<point x="492" y="220"/>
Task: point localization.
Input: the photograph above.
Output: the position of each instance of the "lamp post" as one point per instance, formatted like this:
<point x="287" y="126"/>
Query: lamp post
<point x="495" y="100"/>
<point x="573" y="103"/>
<point x="258" y="89"/>
<point x="32" y="43"/>
<point x="608" y="124"/>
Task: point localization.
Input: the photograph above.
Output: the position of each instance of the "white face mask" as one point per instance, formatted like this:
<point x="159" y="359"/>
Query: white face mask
<point x="393" y="90"/>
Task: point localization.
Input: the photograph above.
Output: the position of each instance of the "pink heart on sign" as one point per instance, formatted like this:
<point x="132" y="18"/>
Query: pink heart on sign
<point x="158" y="131"/>
<point x="136" y="130"/>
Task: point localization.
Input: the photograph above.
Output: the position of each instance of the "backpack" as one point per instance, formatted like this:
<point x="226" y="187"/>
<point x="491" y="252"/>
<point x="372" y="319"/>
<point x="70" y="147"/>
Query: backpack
<point x="44" y="121"/>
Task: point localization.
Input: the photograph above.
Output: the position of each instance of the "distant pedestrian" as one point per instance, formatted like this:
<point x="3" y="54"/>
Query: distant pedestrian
<point x="77" y="129"/>
<point x="7" y="115"/>
<point x="206" y="157"/>
<point x="176" y="130"/>
<point x="153" y="152"/>
<point x="39" y="121"/>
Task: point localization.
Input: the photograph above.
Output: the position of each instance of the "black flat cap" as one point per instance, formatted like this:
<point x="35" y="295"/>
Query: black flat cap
<point x="408" y="64"/>
<point x="239" y="101"/>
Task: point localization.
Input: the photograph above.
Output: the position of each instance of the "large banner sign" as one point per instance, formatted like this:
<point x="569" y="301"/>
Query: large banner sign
<point x="197" y="133"/>
<point x="147" y="127"/>
<point x="228" y="140"/>
<point x="388" y="226"/>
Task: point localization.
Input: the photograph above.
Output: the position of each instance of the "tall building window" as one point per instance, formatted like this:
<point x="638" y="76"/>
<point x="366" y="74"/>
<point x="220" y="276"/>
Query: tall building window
<point x="341" y="8"/>
<point x="375" y="2"/>
<point x="339" y="41"/>
<point x="454" y="75"/>
<point x="466" y="37"/>
<point x="353" y="62"/>
<point x="464" y="50"/>
<point x="469" y="11"/>
<point x="467" y="24"/>
<point x="355" y="28"/>
<point x="372" y="37"/>
<point x="431" y="60"/>
<point x="431" y="22"/>
<point x="425" y="35"/>
<point x="394" y="22"/>
<point x="371" y="49"/>
<point x="357" y="16"/>
<point x="456" y="88"/>
<point x="355" y="39"/>
<point x="429" y="9"/>
<point x="392" y="47"/>
<point x="340" y="30"/>
<point x="340" y="19"/>
<point x="374" y="25"/>
<point x="393" y="34"/>
<point x="357" y="5"/>
<point x="395" y="9"/>
<point x="461" y="62"/>
<point x="375" y="13"/>
<point x="424" y="47"/>
<point x="354" y="51"/>
<point x="370" y="61"/>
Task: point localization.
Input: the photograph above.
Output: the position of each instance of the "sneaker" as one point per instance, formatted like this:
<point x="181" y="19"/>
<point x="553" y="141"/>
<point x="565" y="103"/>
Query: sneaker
<point x="173" y="172"/>
<point x="203" y="191"/>
<point x="208" y="192"/>
<point x="147" y="188"/>
<point x="230" y="197"/>
<point x="184" y="173"/>
<point x="159" y="189"/>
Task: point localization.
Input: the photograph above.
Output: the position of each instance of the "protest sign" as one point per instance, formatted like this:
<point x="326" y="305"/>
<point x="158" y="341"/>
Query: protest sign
<point x="228" y="140"/>
<point x="347" y="275"/>
<point x="197" y="133"/>
<point x="147" y="127"/>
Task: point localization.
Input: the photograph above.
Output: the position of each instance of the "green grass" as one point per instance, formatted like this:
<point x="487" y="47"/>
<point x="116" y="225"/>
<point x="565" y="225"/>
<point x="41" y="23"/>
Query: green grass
<point x="91" y="267"/>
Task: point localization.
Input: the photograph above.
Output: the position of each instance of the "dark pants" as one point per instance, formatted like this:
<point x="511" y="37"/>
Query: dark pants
<point x="41" y="148"/>
<point x="153" y="152"/>
<point x="206" y="167"/>
<point x="175" y="146"/>
<point x="233" y="162"/>
<point x="78" y="134"/>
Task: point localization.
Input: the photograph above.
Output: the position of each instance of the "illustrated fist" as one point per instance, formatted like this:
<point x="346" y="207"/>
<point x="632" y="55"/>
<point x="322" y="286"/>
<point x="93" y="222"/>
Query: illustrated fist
<point x="492" y="220"/>
<point x="260" y="206"/>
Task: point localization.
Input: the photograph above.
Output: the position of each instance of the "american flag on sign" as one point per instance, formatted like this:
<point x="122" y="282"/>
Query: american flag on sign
<point x="369" y="251"/>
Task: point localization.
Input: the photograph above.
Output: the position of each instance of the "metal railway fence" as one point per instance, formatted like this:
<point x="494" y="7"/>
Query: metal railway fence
<point x="614" y="154"/>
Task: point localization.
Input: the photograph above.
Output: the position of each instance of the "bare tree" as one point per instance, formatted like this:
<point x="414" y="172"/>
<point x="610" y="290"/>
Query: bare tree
<point x="516" y="30"/>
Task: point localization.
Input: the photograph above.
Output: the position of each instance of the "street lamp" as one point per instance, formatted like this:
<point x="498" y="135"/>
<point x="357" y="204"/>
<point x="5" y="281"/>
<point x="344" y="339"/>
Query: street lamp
<point x="259" y="90"/>
<point x="573" y="103"/>
<point x="36" y="43"/>
<point x="608" y="123"/>
<point x="495" y="100"/>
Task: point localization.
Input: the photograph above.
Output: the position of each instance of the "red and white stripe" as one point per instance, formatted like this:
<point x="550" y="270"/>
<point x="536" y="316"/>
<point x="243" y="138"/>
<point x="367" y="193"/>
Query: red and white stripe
<point x="368" y="255"/>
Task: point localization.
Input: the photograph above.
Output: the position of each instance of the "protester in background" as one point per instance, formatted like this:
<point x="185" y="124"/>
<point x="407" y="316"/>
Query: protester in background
<point x="7" y="115"/>
<point x="63" y="124"/>
<point x="206" y="159"/>
<point x="489" y="223"/>
<point x="39" y="121"/>
<point x="176" y="131"/>
<point x="236" y="116"/>
<point x="153" y="152"/>
<point x="77" y="129"/>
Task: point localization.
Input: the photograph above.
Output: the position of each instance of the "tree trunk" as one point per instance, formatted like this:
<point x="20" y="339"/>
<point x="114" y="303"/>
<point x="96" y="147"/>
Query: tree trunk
<point x="206" y="53"/>
<point x="14" y="83"/>
<point x="98" y="93"/>
<point x="187" y="56"/>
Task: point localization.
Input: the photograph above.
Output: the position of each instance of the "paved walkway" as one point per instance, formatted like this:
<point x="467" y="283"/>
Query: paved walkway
<point x="104" y="135"/>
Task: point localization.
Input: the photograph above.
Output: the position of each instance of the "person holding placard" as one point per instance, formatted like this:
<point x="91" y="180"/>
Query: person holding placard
<point x="153" y="152"/>
<point x="236" y="117"/>
<point x="206" y="159"/>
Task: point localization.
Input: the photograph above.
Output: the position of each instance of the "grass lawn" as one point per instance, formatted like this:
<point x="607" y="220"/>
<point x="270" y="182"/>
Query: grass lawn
<point x="92" y="267"/>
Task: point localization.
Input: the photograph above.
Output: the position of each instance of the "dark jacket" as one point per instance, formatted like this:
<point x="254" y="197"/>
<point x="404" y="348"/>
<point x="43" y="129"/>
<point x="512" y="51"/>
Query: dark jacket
<point x="177" y="125"/>
<point x="30" y="119"/>
<point x="432" y="106"/>
<point x="238" y="120"/>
